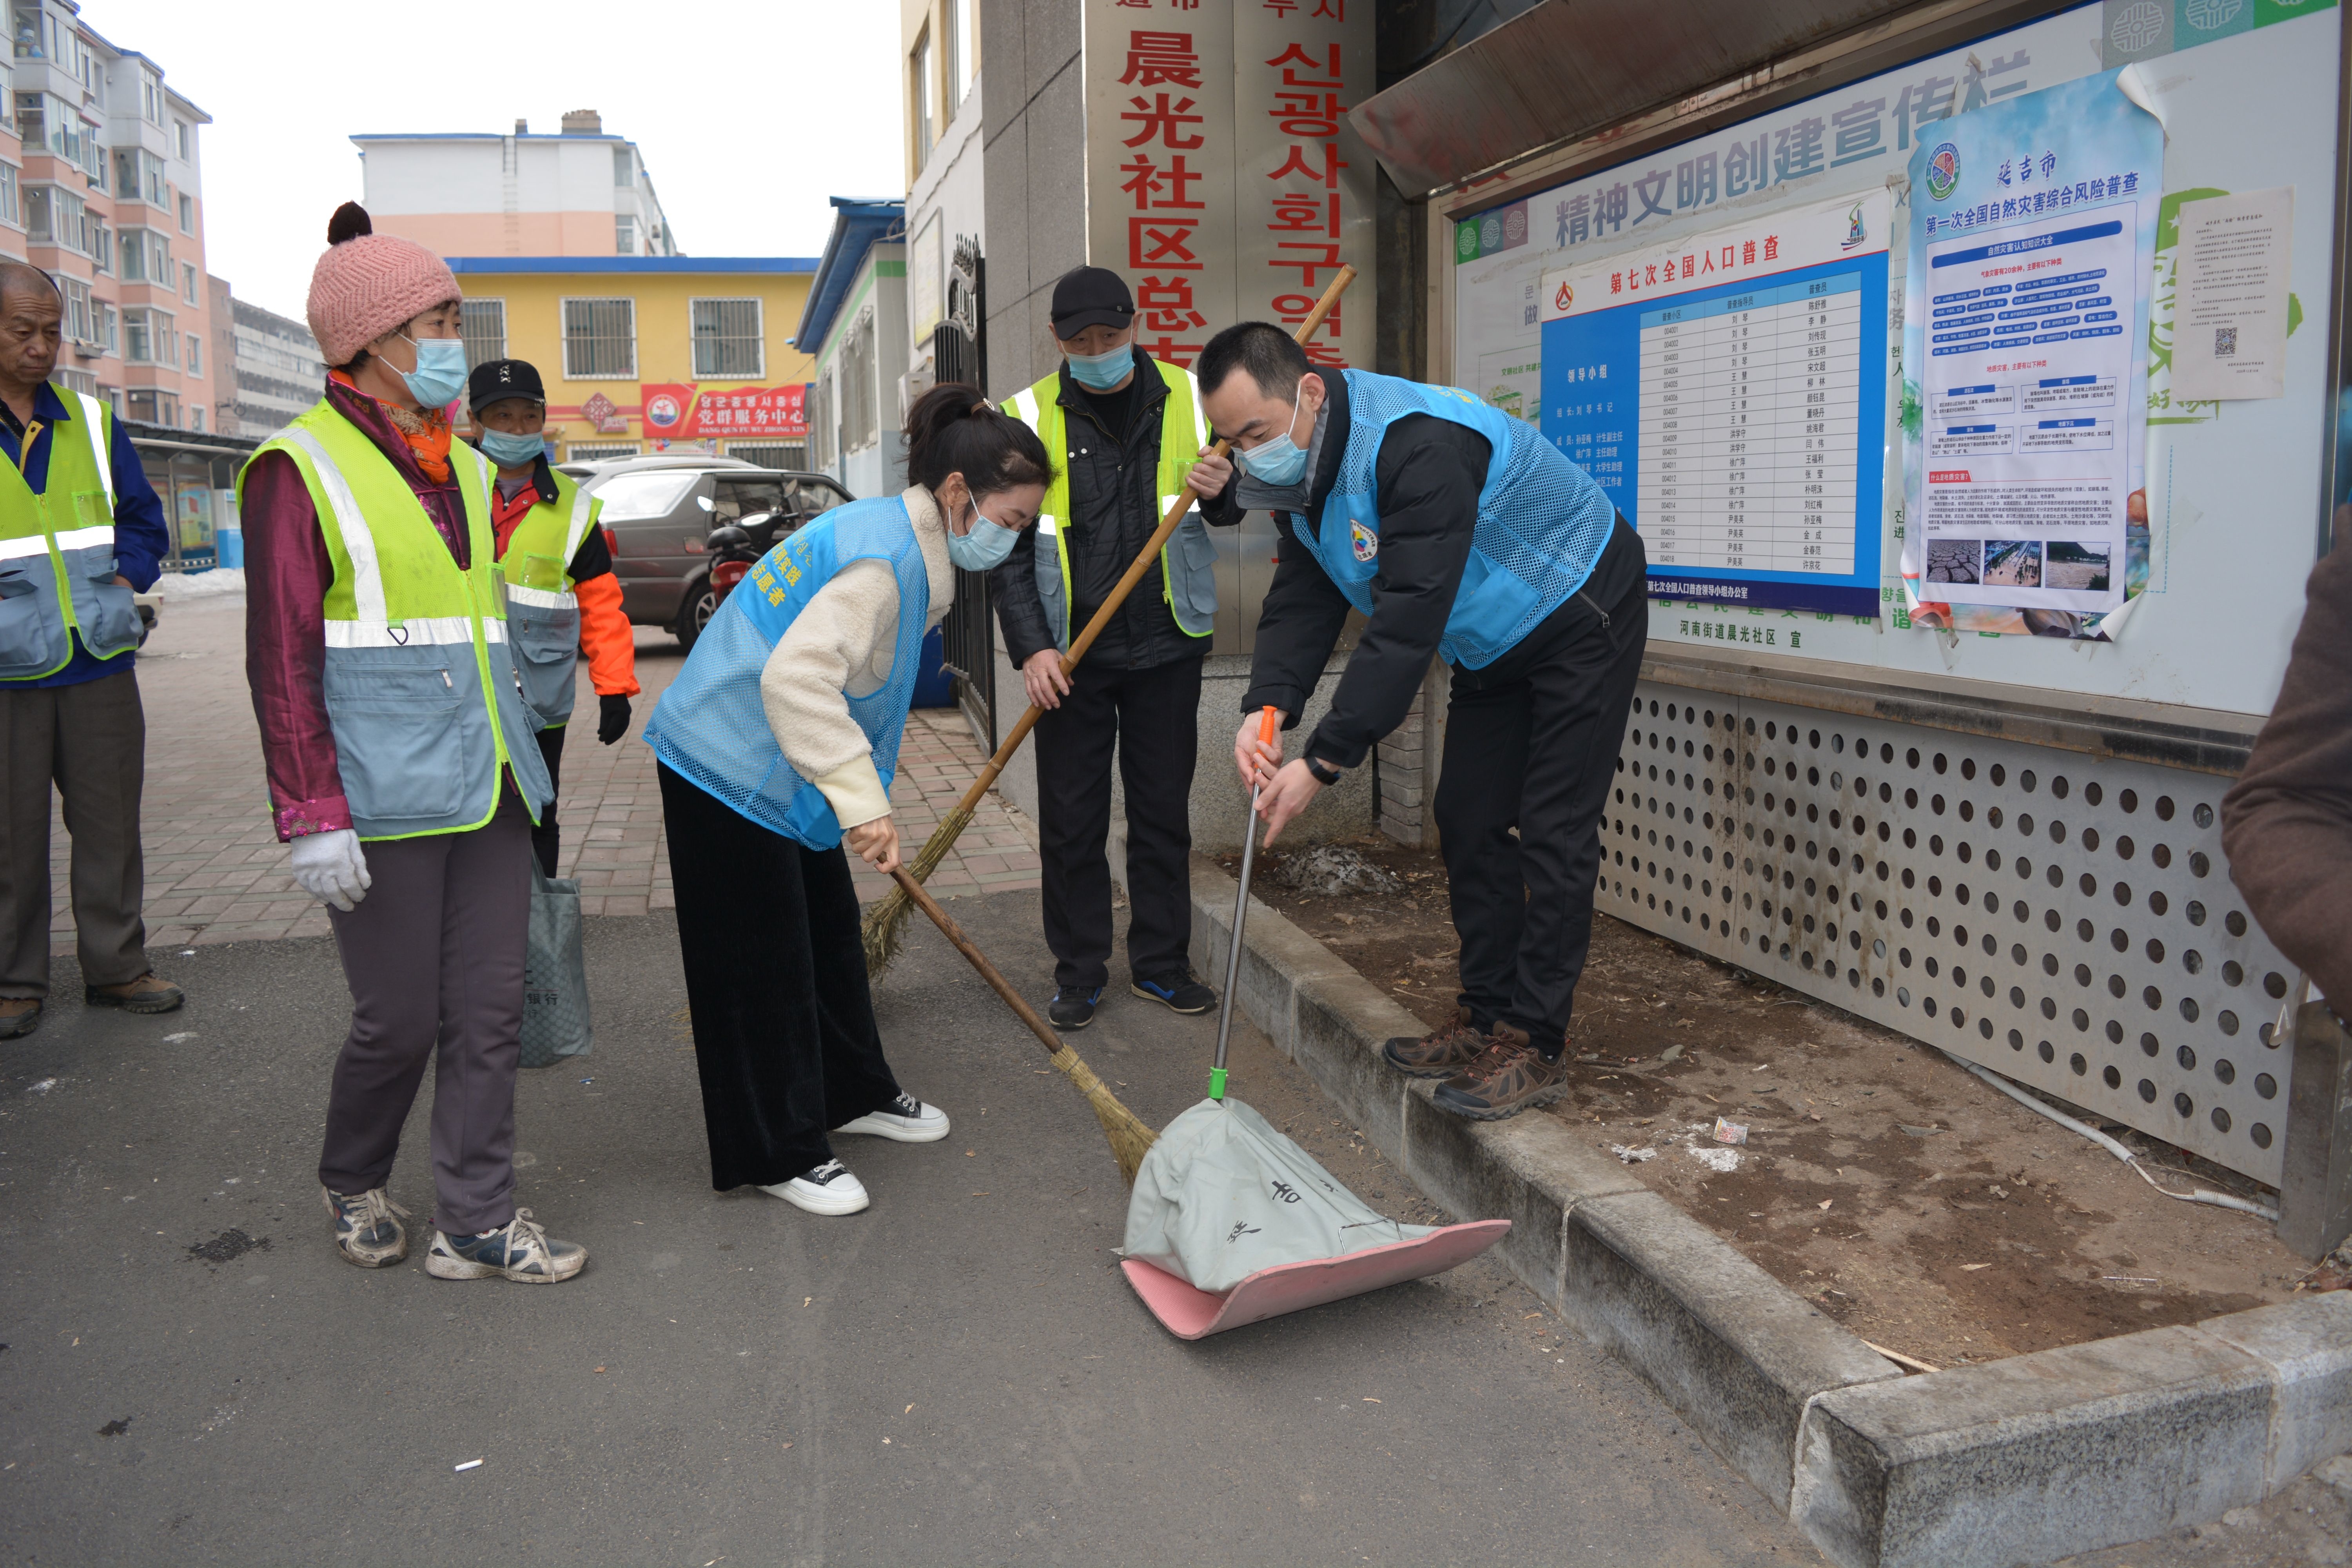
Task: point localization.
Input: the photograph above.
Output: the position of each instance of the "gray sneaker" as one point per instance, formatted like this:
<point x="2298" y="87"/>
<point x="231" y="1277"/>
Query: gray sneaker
<point x="368" y="1231"/>
<point x="519" y="1250"/>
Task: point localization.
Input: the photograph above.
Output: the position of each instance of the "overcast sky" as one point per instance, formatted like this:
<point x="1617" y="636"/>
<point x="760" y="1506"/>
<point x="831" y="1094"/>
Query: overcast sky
<point x="749" y="115"/>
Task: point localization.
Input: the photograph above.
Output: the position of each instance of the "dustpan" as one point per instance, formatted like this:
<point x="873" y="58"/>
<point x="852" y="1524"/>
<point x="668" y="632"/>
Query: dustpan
<point x="1231" y="1223"/>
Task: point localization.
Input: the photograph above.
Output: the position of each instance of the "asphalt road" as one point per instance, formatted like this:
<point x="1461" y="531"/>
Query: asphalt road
<point x="959" y="1375"/>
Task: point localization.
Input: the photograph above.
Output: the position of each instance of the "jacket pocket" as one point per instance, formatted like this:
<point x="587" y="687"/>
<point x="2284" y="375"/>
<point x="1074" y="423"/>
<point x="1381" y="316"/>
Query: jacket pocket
<point x="115" y="619"/>
<point x="1489" y="612"/>
<point x="1192" y="576"/>
<point x="545" y="641"/>
<point x="399" y="739"/>
<point x="31" y="628"/>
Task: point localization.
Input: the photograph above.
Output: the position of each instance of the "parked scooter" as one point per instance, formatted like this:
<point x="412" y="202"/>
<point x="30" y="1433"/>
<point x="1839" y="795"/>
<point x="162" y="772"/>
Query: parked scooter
<point x="734" y="548"/>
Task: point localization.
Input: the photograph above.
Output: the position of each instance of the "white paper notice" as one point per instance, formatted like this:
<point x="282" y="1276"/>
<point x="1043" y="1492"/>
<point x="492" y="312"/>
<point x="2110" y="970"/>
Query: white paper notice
<point x="2229" y="334"/>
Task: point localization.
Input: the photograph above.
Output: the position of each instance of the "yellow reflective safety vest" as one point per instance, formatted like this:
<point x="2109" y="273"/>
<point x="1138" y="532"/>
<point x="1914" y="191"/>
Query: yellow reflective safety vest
<point x="419" y="679"/>
<point x="56" y="554"/>
<point x="543" y="610"/>
<point x="1188" y="575"/>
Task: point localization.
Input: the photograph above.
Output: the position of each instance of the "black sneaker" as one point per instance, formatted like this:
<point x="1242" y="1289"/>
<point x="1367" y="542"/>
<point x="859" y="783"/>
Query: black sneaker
<point x="1074" y="1009"/>
<point x="1179" y="993"/>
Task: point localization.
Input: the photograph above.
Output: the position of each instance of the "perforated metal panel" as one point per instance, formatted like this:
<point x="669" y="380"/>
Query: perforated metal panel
<point x="2063" y="919"/>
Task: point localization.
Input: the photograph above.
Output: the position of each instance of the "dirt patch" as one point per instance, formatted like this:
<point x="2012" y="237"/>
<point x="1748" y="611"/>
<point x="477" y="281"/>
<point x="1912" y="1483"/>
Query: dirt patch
<point x="1909" y="1200"/>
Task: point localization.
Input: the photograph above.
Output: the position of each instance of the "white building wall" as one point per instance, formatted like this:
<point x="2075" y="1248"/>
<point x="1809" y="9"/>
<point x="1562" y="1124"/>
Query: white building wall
<point x="950" y="192"/>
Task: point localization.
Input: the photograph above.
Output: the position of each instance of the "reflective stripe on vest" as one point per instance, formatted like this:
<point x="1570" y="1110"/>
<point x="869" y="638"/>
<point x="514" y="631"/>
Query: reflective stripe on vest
<point x="1188" y="582"/>
<point x="420" y="687"/>
<point x="710" y="726"/>
<point x="1542" y="522"/>
<point x="543" y="610"/>
<point x="70" y="523"/>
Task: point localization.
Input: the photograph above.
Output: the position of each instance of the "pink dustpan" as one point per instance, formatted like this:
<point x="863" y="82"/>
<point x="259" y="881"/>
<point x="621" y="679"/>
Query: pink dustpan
<point x="1191" y="1314"/>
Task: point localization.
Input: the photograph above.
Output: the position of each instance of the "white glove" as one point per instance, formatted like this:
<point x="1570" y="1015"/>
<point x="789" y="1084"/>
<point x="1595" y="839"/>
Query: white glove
<point x="332" y="869"/>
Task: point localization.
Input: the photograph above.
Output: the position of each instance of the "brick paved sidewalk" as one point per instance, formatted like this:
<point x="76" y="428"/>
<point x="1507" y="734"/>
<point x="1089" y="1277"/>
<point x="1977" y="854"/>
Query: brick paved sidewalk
<point x="216" y="872"/>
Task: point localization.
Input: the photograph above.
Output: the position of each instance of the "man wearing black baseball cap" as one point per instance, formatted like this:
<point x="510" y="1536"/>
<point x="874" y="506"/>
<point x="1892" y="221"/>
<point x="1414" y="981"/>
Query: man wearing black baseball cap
<point x="1125" y="430"/>
<point x="562" y="596"/>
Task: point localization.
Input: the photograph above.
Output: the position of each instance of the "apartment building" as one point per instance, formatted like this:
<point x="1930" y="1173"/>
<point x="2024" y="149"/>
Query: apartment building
<point x="582" y="191"/>
<point x="855" y="328"/>
<point x="101" y="187"/>
<point x="276" y="371"/>
<point x="946" y="197"/>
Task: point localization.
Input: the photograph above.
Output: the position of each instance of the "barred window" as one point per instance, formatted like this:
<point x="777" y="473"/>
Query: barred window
<point x="727" y="342"/>
<point x="600" y="340"/>
<point x="483" y="324"/>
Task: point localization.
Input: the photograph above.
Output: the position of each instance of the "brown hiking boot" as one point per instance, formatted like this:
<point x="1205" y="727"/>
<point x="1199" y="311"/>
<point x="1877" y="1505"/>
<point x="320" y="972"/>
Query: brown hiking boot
<point x="1506" y="1078"/>
<point x="145" y="994"/>
<point x="1441" y="1053"/>
<point x="19" y="1015"/>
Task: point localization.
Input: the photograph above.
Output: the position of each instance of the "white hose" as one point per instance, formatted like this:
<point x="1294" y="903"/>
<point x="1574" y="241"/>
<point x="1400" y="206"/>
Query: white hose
<point x="2218" y="1200"/>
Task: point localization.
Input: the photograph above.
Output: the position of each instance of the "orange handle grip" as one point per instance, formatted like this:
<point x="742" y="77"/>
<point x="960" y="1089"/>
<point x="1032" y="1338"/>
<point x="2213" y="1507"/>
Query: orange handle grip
<point x="1266" y="725"/>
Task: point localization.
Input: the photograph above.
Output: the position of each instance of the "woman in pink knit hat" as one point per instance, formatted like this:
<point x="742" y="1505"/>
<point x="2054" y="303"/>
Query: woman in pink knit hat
<point x="402" y="764"/>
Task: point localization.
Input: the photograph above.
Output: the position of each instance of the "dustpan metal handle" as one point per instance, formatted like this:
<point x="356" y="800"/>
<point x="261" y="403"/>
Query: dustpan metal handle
<point x="1265" y="729"/>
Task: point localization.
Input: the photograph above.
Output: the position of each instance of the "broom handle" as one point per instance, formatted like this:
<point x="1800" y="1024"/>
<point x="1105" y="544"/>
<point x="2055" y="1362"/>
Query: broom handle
<point x="1134" y="574"/>
<point x="954" y="933"/>
<point x="1241" y="912"/>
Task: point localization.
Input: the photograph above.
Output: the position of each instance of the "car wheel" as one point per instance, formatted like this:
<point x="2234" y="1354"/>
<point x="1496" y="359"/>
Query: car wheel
<point x="701" y="604"/>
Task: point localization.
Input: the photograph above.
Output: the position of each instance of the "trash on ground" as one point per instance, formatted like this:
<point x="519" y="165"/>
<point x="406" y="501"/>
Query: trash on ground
<point x="1670" y="1053"/>
<point x="1329" y="868"/>
<point x="183" y="1035"/>
<point x="1632" y="1156"/>
<point x="1973" y="1267"/>
<point x="470" y="1465"/>
<point x="1729" y="1131"/>
<point x="1825" y="1205"/>
<point x="1918" y="1131"/>
<point x="43" y="1086"/>
<point x="1722" y="1159"/>
<point x="115" y="1428"/>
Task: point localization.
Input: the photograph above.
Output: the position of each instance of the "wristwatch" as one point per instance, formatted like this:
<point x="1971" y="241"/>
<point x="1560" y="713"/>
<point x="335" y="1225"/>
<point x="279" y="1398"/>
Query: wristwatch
<point x="1324" y="775"/>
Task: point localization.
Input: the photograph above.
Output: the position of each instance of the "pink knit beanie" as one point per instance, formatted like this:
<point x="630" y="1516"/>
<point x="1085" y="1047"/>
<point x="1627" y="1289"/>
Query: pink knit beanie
<point x="367" y="284"/>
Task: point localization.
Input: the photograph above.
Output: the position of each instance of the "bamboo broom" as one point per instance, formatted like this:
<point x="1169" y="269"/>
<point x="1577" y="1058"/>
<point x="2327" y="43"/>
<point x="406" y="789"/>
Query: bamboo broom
<point x="884" y="921"/>
<point x="1130" y="1137"/>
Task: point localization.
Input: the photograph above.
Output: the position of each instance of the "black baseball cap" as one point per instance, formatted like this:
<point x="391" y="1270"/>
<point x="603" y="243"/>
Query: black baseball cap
<point x="500" y="378"/>
<point x="1091" y="297"/>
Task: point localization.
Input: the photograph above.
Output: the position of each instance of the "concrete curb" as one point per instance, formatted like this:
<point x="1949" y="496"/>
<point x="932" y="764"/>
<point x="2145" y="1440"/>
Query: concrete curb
<point x="2020" y="1460"/>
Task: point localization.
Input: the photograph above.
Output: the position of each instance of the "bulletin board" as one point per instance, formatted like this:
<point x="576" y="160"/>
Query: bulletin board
<point x="1596" y="308"/>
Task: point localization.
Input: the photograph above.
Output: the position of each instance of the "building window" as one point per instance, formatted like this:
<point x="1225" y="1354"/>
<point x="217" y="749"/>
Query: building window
<point x="771" y="454"/>
<point x="600" y="340"/>
<point x="102" y="242"/>
<point x="110" y="328"/>
<point x="148" y="337"/>
<point x="590" y="451"/>
<point x="77" y="325"/>
<point x="196" y="354"/>
<point x="186" y="143"/>
<point x="955" y="30"/>
<point x="187" y="213"/>
<point x="11" y="205"/>
<point x="624" y="235"/>
<point x="483" y="323"/>
<point x="922" y="95"/>
<point x="147" y="257"/>
<point x="625" y="168"/>
<point x="188" y="281"/>
<point x="151" y="406"/>
<point x="728" y="343"/>
<point x="858" y="407"/>
<point x="197" y="417"/>
<point x="150" y="97"/>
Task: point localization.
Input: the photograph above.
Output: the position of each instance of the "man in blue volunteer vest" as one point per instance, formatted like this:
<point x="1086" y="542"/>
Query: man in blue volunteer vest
<point x="1464" y="535"/>
<point x="80" y="529"/>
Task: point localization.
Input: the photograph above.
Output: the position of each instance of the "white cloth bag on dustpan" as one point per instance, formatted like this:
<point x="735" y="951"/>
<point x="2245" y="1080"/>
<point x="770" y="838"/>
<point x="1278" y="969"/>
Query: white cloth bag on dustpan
<point x="1221" y="1196"/>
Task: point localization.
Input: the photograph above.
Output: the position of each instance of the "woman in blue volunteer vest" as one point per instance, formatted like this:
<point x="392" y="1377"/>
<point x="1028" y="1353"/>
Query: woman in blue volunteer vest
<point x="1464" y="535"/>
<point x="777" y="744"/>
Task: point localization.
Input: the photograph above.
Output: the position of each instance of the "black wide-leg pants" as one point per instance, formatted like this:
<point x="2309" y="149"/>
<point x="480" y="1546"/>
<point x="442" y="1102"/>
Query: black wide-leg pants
<point x="784" y="1036"/>
<point x="1531" y="744"/>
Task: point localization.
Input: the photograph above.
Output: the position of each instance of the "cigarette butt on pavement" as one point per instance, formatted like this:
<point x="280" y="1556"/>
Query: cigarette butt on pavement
<point x="470" y="1465"/>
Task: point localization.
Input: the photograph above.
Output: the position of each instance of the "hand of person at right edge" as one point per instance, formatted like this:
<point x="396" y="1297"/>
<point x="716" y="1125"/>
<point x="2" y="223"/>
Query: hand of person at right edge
<point x="1257" y="760"/>
<point x="1042" y="676"/>
<point x="876" y="843"/>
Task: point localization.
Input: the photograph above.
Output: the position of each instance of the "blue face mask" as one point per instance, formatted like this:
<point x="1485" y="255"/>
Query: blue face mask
<point x="509" y="451"/>
<point x="986" y="545"/>
<point x="440" y="372"/>
<point x="1278" y="463"/>
<point x="1100" y="373"/>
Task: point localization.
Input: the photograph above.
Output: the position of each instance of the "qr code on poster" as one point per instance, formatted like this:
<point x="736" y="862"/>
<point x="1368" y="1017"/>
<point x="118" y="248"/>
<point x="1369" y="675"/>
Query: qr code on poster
<point x="2225" y="341"/>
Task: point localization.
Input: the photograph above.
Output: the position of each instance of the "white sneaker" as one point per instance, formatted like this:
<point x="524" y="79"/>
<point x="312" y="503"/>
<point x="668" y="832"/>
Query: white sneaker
<point x="905" y="1120"/>
<point x="828" y="1189"/>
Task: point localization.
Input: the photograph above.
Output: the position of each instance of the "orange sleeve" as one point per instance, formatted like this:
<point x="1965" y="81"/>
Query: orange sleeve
<point x="606" y="636"/>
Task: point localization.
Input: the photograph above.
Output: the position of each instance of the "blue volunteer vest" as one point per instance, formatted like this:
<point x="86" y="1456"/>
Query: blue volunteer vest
<point x="710" y="726"/>
<point x="1542" y="522"/>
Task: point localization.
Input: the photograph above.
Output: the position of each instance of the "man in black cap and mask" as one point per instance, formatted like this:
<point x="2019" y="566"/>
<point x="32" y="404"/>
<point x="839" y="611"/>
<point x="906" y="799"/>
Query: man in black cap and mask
<point x="563" y="599"/>
<point x="1125" y="430"/>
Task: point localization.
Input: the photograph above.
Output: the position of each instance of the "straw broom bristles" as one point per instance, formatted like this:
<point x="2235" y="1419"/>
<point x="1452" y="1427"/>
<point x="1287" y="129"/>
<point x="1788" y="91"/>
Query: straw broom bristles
<point x="1130" y="1138"/>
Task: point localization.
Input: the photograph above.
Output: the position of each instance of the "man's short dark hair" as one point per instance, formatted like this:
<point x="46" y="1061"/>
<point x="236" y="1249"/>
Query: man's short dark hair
<point x="23" y="275"/>
<point x="1271" y="356"/>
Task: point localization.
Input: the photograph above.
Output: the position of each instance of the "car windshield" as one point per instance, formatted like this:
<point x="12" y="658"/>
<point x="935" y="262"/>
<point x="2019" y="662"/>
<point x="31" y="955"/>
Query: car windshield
<point x="630" y="497"/>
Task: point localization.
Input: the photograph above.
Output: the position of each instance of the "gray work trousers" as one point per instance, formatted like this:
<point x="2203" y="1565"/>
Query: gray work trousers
<point x="434" y="957"/>
<point x="91" y="741"/>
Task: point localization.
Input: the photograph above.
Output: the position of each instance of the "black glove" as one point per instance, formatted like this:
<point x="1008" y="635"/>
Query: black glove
<point x="612" y="717"/>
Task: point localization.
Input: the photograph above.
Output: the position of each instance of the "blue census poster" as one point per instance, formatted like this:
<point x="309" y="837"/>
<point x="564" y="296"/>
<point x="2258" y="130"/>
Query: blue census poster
<point x="1729" y="391"/>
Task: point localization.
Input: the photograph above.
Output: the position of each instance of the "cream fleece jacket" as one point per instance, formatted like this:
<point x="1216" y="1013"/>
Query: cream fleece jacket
<point x="840" y="645"/>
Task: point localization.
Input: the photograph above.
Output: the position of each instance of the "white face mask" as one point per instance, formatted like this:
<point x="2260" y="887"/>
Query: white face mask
<point x="986" y="545"/>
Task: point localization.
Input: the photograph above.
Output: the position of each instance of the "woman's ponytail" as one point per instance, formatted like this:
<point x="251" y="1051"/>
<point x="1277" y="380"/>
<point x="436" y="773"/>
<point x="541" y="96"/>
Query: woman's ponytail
<point x="954" y="429"/>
